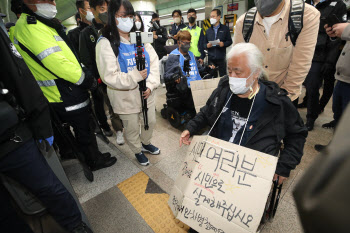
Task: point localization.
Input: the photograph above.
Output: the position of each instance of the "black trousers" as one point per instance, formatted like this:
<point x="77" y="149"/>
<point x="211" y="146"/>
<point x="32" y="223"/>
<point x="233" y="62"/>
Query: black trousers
<point x="98" y="99"/>
<point x="28" y="166"/>
<point x="341" y="99"/>
<point x="221" y="63"/>
<point x="313" y="83"/>
<point x="83" y="127"/>
<point x="328" y="87"/>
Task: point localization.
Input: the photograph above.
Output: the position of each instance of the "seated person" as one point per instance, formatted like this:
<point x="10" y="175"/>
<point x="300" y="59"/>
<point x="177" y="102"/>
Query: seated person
<point x="177" y="58"/>
<point x="252" y="112"/>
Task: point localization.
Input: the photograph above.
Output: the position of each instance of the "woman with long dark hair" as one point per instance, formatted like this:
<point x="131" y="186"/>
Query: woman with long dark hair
<point x="115" y="58"/>
<point x="138" y="25"/>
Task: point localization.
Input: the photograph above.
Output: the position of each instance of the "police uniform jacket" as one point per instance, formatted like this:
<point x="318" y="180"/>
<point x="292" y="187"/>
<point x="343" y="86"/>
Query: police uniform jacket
<point x="17" y="78"/>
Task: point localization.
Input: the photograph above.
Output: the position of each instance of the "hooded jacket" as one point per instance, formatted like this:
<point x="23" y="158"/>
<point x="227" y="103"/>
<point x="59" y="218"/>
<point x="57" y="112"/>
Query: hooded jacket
<point x="279" y="121"/>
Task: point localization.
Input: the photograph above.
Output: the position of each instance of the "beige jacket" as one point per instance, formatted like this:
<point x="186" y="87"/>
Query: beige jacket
<point x="123" y="89"/>
<point x="343" y="64"/>
<point x="285" y="64"/>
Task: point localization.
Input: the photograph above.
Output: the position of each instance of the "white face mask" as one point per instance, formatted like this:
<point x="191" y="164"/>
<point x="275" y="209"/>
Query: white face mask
<point x="239" y="86"/>
<point x="138" y="25"/>
<point x="213" y="21"/>
<point x="177" y="20"/>
<point x="125" y="24"/>
<point x="89" y="16"/>
<point x="46" y="10"/>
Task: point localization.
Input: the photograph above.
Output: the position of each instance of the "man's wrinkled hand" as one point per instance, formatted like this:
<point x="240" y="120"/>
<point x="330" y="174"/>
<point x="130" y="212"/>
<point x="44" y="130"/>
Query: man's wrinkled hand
<point x="184" y="138"/>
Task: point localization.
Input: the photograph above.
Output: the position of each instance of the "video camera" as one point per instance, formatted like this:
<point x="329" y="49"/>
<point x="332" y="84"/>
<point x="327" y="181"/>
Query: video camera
<point x="155" y="25"/>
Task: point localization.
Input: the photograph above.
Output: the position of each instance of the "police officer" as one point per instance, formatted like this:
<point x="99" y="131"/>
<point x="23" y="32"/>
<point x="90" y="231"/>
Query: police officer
<point x="42" y="42"/>
<point x="159" y="35"/>
<point x="86" y="17"/>
<point x="87" y="40"/>
<point x="25" y="122"/>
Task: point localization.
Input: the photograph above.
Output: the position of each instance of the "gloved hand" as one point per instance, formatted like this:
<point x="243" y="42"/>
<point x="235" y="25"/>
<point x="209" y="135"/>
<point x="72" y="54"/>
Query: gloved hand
<point x="327" y="70"/>
<point x="89" y="82"/>
<point x="45" y="144"/>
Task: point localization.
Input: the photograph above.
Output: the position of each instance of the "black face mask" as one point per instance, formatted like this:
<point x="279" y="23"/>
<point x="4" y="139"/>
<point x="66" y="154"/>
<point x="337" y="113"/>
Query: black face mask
<point x="185" y="48"/>
<point x="191" y="19"/>
<point x="103" y="17"/>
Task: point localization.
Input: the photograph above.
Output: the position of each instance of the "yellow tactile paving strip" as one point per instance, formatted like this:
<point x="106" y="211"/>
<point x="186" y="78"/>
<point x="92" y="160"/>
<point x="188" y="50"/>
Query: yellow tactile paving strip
<point x="152" y="207"/>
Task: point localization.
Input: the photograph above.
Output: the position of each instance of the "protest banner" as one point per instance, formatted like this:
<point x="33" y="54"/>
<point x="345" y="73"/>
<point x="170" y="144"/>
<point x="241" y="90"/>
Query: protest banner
<point x="201" y="91"/>
<point x="222" y="187"/>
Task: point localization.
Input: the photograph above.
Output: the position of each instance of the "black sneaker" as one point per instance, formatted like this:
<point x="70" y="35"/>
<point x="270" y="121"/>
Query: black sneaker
<point x="150" y="149"/>
<point x="330" y="125"/>
<point x="143" y="160"/>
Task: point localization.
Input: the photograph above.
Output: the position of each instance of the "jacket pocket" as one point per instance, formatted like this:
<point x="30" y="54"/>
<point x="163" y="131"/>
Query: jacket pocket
<point x="283" y="57"/>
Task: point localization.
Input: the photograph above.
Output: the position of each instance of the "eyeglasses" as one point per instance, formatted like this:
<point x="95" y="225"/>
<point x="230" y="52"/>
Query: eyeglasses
<point x="125" y="18"/>
<point x="185" y="43"/>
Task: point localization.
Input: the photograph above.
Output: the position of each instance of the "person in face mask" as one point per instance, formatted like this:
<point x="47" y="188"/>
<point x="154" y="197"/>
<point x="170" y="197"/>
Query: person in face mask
<point x="86" y="17"/>
<point x="138" y="24"/>
<point x="217" y="31"/>
<point x="178" y="24"/>
<point x="88" y="40"/>
<point x="197" y="41"/>
<point x="286" y="63"/>
<point x="115" y="58"/>
<point x="177" y="57"/>
<point x="250" y="111"/>
<point x="160" y="36"/>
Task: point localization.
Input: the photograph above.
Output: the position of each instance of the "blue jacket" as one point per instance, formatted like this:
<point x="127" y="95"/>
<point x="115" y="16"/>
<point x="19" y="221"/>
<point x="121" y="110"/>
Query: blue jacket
<point x="224" y="35"/>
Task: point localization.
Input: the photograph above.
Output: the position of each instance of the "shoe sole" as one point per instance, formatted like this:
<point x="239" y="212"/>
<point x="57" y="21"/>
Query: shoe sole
<point x="144" y="164"/>
<point x="152" y="153"/>
<point x="121" y="143"/>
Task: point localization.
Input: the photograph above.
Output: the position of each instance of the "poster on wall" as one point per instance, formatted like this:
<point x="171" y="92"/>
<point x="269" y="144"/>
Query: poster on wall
<point x="146" y="17"/>
<point x="232" y="7"/>
<point x="230" y="21"/>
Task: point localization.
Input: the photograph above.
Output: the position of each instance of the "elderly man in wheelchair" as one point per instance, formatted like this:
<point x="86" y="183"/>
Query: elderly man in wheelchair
<point x="181" y="69"/>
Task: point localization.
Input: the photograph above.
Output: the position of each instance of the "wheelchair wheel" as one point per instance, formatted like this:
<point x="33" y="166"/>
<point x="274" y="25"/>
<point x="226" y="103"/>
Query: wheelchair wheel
<point x="173" y="117"/>
<point x="163" y="112"/>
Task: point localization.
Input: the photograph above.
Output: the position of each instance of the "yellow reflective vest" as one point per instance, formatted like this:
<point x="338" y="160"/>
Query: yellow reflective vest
<point x="195" y="34"/>
<point x="46" y="44"/>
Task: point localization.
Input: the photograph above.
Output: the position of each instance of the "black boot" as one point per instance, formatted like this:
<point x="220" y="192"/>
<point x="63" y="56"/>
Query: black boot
<point x="310" y="124"/>
<point x="82" y="228"/>
<point x="302" y="105"/>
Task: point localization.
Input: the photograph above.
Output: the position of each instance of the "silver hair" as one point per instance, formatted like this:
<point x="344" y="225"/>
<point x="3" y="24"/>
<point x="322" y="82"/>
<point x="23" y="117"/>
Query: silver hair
<point x="254" y="56"/>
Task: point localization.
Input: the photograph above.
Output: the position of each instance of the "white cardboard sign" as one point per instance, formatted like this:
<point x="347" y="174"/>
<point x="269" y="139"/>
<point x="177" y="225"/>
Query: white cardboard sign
<point x="201" y="91"/>
<point x="222" y="187"/>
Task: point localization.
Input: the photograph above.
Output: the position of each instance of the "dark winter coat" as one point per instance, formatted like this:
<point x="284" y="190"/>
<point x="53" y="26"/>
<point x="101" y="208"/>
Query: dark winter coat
<point x="279" y="121"/>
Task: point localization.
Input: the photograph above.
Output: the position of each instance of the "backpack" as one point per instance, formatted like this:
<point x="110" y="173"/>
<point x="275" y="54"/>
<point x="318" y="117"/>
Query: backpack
<point x="295" y="21"/>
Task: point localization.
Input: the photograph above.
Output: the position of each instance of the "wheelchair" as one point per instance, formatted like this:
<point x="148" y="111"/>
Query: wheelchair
<point x="179" y="107"/>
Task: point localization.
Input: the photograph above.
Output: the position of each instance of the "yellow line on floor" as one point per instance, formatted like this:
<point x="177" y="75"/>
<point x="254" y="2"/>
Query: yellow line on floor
<point x="153" y="207"/>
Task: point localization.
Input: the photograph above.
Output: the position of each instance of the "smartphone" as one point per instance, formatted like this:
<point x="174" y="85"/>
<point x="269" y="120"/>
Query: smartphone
<point x="146" y="37"/>
<point x="331" y="20"/>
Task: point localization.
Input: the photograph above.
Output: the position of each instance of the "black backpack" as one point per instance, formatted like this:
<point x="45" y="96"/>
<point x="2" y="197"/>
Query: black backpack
<point x="295" y="21"/>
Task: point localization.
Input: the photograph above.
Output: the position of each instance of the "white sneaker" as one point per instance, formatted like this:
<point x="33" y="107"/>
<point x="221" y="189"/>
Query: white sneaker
<point x="120" y="138"/>
<point x="163" y="85"/>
